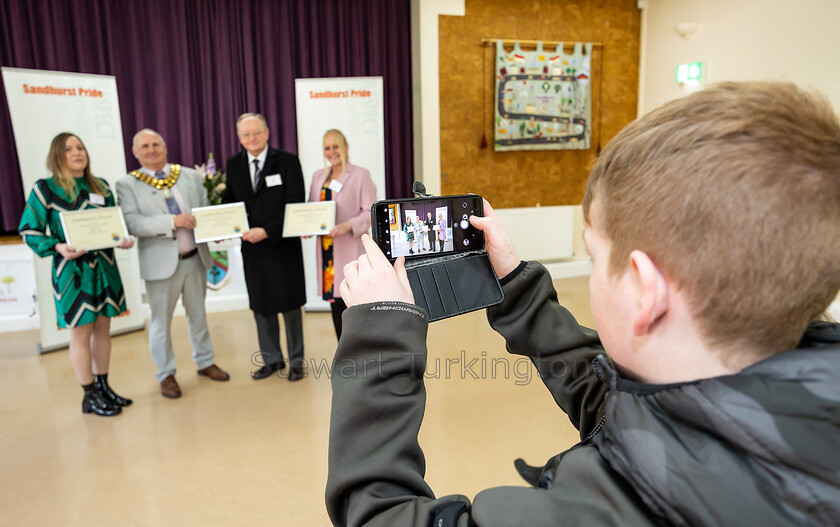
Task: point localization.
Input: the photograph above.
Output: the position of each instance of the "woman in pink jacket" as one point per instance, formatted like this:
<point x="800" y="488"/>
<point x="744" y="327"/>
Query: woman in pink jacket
<point x="353" y="191"/>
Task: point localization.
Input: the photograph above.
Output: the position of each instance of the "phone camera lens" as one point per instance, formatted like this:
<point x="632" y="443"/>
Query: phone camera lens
<point x="466" y="242"/>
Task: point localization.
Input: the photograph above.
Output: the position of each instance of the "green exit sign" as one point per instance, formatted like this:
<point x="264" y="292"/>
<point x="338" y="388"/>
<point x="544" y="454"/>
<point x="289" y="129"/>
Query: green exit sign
<point x="689" y="72"/>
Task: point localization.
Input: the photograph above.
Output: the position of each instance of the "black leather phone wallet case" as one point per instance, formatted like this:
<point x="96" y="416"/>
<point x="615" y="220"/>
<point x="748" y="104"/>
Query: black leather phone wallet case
<point x="450" y="285"/>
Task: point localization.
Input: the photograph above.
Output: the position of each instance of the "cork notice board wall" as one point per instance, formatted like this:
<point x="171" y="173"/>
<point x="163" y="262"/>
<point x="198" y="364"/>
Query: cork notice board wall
<point x="528" y="178"/>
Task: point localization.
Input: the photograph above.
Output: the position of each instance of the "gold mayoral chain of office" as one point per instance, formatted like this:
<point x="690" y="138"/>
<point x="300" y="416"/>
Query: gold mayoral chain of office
<point x="159" y="184"/>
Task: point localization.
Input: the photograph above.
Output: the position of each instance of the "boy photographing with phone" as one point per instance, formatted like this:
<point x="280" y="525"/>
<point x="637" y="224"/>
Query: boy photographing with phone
<point x="709" y="396"/>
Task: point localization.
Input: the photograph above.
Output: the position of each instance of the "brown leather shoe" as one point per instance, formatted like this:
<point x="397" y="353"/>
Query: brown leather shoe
<point x="215" y="373"/>
<point x="169" y="388"/>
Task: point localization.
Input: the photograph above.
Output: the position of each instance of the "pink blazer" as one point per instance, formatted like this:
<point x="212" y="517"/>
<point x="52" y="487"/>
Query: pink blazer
<point x="352" y="204"/>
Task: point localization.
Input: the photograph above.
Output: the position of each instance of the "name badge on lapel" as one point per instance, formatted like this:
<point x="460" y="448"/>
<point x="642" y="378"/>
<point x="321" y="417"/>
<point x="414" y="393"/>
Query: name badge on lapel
<point x="273" y="180"/>
<point x="97" y="199"/>
<point x="335" y="186"/>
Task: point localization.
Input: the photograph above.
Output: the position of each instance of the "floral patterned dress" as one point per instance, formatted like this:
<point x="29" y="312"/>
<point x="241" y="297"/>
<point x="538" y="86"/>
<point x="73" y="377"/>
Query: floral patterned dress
<point x="85" y="287"/>
<point x="327" y="256"/>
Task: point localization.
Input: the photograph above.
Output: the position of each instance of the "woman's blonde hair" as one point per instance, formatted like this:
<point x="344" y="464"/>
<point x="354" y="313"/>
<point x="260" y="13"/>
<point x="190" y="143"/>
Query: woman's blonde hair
<point x="57" y="164"/>
<point x="342" y="147"/>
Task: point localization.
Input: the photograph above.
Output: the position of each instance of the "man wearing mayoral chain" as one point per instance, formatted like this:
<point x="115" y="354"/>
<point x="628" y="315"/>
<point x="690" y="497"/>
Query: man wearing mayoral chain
<point x="156" y="200"/>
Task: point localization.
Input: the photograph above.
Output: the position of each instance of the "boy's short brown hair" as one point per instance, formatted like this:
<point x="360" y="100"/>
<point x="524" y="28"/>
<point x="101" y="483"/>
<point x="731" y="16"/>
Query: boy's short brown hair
<point x="734" y="192"/>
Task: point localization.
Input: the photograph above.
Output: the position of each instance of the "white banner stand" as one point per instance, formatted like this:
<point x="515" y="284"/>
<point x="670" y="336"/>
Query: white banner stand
<point x="43" y="104"/>
<point x="353" y="105"/>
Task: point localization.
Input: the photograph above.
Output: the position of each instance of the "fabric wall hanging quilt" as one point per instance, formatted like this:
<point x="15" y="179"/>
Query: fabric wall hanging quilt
<point x="543" y="99"/>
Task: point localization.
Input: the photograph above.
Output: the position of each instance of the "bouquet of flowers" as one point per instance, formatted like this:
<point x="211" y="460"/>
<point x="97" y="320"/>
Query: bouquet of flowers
<point x="214" y="184"/>
<point x="214" y="180"/>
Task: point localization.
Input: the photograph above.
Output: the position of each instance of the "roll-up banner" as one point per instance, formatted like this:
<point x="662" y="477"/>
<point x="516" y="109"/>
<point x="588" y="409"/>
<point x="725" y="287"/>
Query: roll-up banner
<point x="353" y="105"/>
<point x="43" y="104"/>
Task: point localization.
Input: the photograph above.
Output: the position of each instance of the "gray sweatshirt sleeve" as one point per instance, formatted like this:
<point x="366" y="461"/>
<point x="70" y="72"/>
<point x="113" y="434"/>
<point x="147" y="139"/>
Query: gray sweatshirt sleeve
<point x="535" y="325"/>
<point x="376" y="465"/>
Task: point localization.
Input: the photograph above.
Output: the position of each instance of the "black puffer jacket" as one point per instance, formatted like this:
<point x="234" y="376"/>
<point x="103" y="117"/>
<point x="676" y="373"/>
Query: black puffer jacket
<point x="761" y="447"/>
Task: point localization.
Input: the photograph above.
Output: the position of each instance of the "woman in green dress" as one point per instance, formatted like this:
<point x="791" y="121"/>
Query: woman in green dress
<point x="408" y="227"/>
<point x="86" y="285"/>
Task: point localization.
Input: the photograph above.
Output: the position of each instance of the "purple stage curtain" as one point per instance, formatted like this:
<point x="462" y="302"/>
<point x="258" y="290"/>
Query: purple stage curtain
<point x="189" y="68"/>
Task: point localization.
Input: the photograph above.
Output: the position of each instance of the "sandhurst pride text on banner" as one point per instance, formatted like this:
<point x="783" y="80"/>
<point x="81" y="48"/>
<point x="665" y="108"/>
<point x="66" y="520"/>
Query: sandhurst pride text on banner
<point x="43" y="104"/>
<point x="353" y="105"/>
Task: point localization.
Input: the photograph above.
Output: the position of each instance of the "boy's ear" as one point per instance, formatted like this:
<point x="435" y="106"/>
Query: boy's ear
<point x="653" y="292"/>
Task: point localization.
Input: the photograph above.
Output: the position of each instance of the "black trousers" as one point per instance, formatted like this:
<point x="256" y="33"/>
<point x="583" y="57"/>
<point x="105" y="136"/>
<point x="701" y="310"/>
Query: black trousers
<point x="338" y="307"/>
<point x="268" y="334"/>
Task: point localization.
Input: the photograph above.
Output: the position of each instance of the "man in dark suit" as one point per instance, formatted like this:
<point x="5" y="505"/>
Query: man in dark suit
<point x="265" y="179"/>
<point x="430" y="223"/>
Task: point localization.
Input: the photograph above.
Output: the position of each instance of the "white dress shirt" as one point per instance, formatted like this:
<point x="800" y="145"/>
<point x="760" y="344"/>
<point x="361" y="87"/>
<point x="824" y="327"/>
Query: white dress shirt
<point x="261" y="159"/>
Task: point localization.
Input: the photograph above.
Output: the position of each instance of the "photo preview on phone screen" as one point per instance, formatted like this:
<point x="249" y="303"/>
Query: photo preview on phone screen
<point x="428" y="226"/>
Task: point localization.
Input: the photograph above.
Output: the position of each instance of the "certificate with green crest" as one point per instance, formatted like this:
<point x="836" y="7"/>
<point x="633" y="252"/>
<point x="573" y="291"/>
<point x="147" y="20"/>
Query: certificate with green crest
<point x="303" y="219"/>
<point x="220" y="222"/>
<point x="92" y="229"/>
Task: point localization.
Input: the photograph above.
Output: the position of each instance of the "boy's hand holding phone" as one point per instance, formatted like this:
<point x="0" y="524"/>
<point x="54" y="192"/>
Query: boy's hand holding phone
<point x="497" y="243"/>
<point x="371" y="278"/>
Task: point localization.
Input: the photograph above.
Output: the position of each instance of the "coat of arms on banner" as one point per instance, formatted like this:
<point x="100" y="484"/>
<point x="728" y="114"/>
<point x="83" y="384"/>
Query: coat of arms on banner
<point x="543" y="99"/>
<point x="217" y="275"/>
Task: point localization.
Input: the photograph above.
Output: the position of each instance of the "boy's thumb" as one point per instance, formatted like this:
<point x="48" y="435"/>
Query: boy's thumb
<point x="402" y="274"/>
<point x="479" y="222"/>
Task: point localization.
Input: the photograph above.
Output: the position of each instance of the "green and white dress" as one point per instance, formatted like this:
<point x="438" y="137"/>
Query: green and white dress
<point x="85" y="287"/>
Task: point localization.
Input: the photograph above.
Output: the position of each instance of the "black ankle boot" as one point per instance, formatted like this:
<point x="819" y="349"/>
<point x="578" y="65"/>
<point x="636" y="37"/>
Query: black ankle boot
<point x="101" y="383"/>
<point x="95" y="403"/>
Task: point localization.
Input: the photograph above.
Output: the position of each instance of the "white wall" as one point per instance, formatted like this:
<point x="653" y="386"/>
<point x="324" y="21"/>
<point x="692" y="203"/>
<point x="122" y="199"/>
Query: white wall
<point x="795" y="40"/>
<point x="425" y="86"/>
<point x="551" y="235"/>
<point x="425" y="91"/>
<point x="834" y="309"/>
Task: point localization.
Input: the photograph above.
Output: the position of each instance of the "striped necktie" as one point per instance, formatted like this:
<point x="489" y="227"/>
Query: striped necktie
<point x="256" y="173"/>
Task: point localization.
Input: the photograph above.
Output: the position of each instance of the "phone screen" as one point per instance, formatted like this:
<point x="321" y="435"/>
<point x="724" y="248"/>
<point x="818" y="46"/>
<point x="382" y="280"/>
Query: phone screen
<point x="421" y="227"/>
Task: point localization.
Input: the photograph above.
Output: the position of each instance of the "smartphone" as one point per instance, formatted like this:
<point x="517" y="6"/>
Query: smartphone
<point x="422" y="227"/>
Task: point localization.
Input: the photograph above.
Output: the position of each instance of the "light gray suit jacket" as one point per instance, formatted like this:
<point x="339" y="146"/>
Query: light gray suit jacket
<point x="148" y="218"/>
